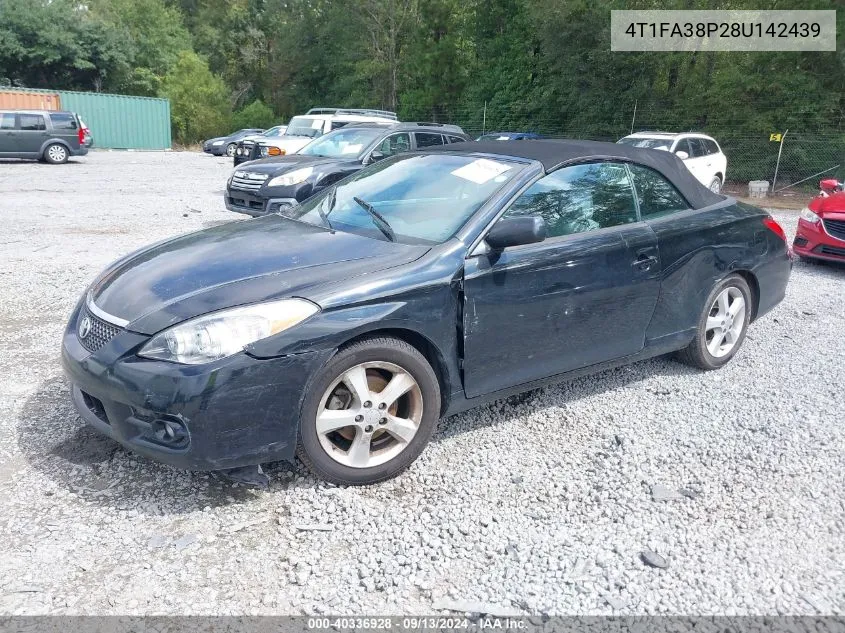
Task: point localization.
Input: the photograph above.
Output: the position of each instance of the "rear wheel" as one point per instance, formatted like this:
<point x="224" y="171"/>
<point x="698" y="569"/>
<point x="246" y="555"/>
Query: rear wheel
<point x="370" y="412"/>
<point x="722" y="326"/>
<point x="56" y="154"/>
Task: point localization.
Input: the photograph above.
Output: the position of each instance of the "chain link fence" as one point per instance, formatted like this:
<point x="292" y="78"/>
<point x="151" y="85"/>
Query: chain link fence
<point x="791" y="160"/>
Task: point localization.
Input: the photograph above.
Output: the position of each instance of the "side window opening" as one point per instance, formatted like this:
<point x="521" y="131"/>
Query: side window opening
<point x="32" y="122"/>
<point x="395" y="144"/>
<point x="427" y="139"/>
<point x="698" y="148"/>
<point x="684" y="146"/>
<point x="656" y="195"/>
<point x="7" y="121"/>
<point x="580" y="198"/>
<point x="62" y="121"/>
<point x="456" y="139"/>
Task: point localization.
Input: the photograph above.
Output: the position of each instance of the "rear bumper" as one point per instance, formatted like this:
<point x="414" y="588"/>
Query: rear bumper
<point x="772" y="278"/>
<point x="812" y="241"/>
<point x="80" y="151"/>
<point x="234" y="412"/>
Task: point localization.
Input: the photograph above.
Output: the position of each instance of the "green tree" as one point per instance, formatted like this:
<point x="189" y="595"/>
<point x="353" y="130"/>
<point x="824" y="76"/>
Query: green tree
<point x="199" y="100"/>
<point x="58" y="44"/>
<point x="256" y="114"/>
<point x="155" y="35"/>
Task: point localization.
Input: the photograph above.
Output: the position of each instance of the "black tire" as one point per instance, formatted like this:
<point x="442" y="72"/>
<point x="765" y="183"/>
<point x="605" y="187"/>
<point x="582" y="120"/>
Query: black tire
<point x="55" y="154"/>
<point x="696" y="353"/>
<point x="230" y="150"/>
<point x="375" y="349"/>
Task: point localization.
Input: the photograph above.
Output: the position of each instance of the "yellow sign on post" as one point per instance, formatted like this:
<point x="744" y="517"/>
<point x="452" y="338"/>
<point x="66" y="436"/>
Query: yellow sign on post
<point x="775" y="137"/>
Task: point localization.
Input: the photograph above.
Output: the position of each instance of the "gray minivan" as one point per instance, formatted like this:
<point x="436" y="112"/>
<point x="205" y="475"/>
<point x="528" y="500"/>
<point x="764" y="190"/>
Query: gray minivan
<point x="51" y="136"/>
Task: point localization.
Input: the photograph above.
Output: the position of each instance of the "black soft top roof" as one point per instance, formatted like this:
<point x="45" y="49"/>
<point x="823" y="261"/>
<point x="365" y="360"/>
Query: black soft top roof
<point x="555" y="153"/>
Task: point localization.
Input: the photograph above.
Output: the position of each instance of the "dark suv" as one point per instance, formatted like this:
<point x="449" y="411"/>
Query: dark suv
<point x="51" y="136"/>
<point x="267" y="185"/>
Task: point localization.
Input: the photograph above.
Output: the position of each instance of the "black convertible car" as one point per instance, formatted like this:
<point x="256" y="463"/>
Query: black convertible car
<point x="267" y="185"/>
<point x="423" y="285"/>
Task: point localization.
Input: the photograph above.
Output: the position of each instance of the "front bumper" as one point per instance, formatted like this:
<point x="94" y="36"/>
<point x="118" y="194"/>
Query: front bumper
<point x="256" y="203"/>
<point x="812" y="241"/>
<point x="234" y="412"/>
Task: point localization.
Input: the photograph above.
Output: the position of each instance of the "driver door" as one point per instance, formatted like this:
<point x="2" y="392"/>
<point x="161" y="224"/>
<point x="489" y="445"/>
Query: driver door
<point x="583" y="296"/>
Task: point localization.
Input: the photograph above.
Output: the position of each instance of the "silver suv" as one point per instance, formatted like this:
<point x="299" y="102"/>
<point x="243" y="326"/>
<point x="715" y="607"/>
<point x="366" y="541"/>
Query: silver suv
<point x="51" y="136"/>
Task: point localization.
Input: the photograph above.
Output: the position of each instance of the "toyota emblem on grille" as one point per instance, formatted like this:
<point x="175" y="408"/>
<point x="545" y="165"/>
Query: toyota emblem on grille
<point x="84" y="327"/>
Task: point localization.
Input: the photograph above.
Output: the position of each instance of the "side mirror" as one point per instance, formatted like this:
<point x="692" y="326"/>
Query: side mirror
<point x="828" y="184"/>
<point x="681" y="154"/>
<point x="515" y="231"/>
<point x="376" y="156"/>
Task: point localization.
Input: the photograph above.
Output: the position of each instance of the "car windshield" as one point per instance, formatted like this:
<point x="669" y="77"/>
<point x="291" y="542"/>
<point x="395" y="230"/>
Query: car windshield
<point x="343" y="143"/>
<point x="304" y="126"/>
<point x="274" y="131"/>
<point x="647" y="143"/>
<point x="423" y="198"/>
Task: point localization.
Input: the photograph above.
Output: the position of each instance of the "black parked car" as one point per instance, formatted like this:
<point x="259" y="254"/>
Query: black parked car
<point x="226" y="145"/>
<point x="423" y="285"/>
<point x="47" y="135"/>
<point x="267" y="185"/>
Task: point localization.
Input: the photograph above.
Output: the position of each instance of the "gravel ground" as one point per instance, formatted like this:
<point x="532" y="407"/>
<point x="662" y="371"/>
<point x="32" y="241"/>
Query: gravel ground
<point x="538" y="504"/>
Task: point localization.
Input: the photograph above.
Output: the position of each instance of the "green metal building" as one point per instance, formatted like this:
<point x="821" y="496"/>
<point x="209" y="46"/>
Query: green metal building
<point x="118" y="121"/>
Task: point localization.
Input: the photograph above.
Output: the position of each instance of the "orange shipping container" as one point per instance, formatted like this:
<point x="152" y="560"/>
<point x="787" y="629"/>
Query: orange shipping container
<point x="25" y="100"/>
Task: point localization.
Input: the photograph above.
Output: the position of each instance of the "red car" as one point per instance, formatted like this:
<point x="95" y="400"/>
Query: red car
<point x="821" y="225"/>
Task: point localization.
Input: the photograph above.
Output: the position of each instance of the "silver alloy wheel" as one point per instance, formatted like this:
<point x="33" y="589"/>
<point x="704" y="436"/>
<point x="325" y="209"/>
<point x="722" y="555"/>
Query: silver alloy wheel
<point x="57" y="153"/>
<point x="725" y="322"/>
<point x="716" y="185"/>
<point x="369" y="414"/>
<point x="230" y="150"/>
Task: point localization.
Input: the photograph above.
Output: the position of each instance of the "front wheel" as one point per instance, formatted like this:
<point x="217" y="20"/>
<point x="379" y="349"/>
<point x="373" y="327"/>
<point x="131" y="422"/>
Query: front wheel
<point x="369" y="413"/>
<point x="56" y="154"/>
<point x="716" y="185"/>
<point x="722" y="325"/>
<point x="230" y="150"/>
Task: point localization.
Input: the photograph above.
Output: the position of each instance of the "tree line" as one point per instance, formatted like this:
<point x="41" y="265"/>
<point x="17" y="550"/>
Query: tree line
<point x="541" y="65"/>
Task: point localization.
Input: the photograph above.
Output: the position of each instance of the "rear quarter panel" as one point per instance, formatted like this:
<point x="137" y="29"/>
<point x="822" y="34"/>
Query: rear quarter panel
<point x="700" y="247"/>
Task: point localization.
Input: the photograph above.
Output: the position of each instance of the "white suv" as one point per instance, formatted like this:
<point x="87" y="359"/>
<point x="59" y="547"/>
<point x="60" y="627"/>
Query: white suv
<point x="701" y="154"/>
<point x="303" y="129"/>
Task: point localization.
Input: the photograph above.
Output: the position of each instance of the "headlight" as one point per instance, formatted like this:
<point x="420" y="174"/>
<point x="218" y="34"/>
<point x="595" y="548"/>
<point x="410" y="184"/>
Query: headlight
<point x="809" y="216"/>
<point x="220" y="334"/>
<point x="217" y="143"/>
<point x="291" y="178"/>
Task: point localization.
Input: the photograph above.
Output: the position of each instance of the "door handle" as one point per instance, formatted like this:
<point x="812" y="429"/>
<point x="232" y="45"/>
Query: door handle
<point x="645" y="261"/>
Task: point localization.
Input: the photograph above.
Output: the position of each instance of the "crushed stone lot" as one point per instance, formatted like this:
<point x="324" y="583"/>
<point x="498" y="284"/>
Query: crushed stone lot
<point x="547" y="503"/>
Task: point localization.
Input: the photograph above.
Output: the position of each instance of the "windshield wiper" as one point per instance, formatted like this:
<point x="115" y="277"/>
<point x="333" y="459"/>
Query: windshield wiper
<point x="324" y="216"/>
<point x="378" y="219"/>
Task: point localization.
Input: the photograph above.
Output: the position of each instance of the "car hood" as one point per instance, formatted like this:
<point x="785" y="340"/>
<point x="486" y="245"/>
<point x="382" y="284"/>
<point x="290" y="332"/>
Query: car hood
<point x="288" y="143"/>
<point x="235" y="264"/>
<point x="282" y="164"/>
<point x="832" y="207"/>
